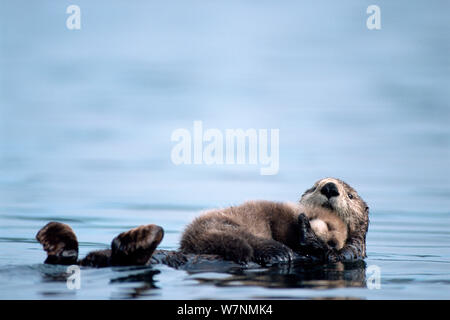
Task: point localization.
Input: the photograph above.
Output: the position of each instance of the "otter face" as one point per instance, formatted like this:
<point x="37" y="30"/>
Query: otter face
<point x="331" y="230"/>
<point x="338" y="197"/>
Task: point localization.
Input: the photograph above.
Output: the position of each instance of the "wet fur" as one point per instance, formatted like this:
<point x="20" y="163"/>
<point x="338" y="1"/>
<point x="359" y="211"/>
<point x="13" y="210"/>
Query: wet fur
<point x="133" y="247"/>
<point x="353" y="211"/>
<point x="259" y="231"/>
<point x="264" y="231"/>
<point x="328" y="227"/>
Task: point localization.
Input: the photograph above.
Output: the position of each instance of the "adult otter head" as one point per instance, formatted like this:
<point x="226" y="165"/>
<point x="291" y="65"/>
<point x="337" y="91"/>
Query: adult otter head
<point x="341" y="199"/>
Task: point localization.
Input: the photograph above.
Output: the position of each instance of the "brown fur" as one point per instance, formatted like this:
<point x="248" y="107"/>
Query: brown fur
<point x="60" y="243"/>
<point x="244" y="233"/>
<point x="328" y="227"/>
<point x="132" y="247"/>
<point x="348" y="206"/>
<point x="261" y="231"/>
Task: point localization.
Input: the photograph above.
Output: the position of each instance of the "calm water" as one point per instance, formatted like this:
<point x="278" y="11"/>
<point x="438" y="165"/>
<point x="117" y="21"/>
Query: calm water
<point x="86" y="118"/>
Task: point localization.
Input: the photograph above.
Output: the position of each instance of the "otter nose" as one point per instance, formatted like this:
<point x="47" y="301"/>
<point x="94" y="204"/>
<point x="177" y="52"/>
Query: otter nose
<point x="329" y="190"/>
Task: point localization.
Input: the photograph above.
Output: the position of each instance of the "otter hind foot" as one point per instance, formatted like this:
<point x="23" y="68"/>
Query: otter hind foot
<point x="60" y="243"/>
<point x="271" y="252"/>
<point x="136" y="246"/>
<point x="133" y="247"/>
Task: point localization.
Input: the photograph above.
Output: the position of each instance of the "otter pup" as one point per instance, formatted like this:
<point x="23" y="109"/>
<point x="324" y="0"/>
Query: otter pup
<point x="328" y="227"/>
<point x="261" y="231"/>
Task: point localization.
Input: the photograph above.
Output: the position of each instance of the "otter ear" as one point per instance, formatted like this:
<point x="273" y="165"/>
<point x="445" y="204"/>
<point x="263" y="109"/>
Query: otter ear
<point x="367" y="209"/>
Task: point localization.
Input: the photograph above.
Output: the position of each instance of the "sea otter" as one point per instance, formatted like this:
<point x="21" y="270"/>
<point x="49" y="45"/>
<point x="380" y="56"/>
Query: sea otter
<point x="266" y="232"/>
<point x="260" y="231"/>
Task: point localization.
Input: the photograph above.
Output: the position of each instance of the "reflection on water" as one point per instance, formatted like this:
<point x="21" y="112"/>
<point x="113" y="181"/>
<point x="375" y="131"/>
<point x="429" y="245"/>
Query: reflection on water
<point x="86" y="118"/>
<point x="328" y="276"/>
<point x="143" y="281"/>
<point x="287" y="276"/>
<point x="138" y="282"/>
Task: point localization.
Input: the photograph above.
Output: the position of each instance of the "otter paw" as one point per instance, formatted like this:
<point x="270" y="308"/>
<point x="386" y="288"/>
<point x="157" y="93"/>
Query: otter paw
<point x="273" y="254"/>
<point x="333" y="256"/>
<point x="303" y="219"/>
<point x="304" y="226"/>
<point x="136" y="246"/>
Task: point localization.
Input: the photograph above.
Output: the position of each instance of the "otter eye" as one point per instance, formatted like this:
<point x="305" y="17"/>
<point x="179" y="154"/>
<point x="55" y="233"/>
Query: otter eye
<point x="311" y="190"/>
<point x="350" y="196"/>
